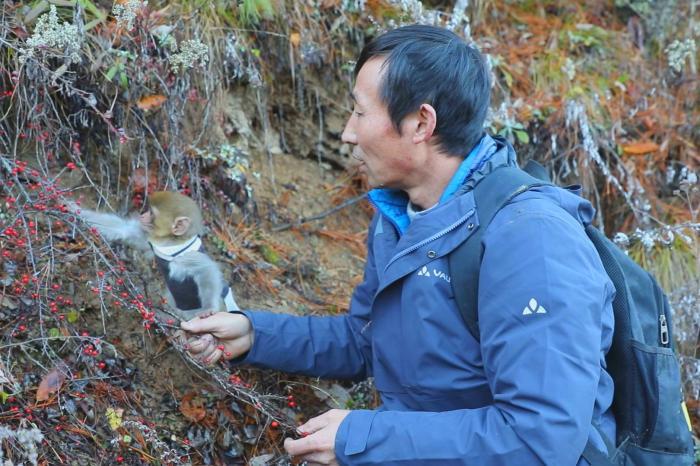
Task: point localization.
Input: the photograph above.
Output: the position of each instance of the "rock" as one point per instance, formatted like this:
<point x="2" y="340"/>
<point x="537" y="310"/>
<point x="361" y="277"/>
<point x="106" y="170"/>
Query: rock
<point x="333" y="395"/>
<point x="262" y="460"/>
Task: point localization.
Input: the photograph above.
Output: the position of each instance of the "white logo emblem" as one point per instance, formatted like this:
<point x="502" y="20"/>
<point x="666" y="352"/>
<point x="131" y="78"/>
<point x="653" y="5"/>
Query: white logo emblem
<point x="533" y="307"/>
<point x="424" y="272"/>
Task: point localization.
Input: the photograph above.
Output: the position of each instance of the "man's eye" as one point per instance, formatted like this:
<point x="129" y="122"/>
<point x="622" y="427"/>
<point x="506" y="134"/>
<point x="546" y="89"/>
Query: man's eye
<point x="358" y="113"/>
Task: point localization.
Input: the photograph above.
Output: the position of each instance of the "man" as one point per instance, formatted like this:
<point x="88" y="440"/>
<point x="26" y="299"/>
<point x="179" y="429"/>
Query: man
<point x="534" y="389"/>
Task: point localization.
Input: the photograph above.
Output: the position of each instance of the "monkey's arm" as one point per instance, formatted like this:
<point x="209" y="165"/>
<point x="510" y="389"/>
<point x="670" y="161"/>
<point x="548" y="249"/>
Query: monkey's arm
<point x="115" y="228"/>
<point x="205" y="272"/>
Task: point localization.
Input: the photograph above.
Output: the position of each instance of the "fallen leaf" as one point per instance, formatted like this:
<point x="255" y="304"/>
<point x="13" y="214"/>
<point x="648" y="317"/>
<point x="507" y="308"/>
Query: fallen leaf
<point x="295" y="39"/>
<point x="50" y="383"/>
<point x="193" y="408"/>
<point x="328" y="4"/>
<point x="8" y="303"/>
<point x="151" y="102"/>
<point x="640" y="148"/>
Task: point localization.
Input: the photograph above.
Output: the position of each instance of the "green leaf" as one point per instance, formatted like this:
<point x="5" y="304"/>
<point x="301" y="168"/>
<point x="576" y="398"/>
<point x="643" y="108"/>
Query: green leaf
<point x="123" y="80"/>
<point x="54" y="332"/>
<point x="508" y="77"/>
<point x="522" y="136"/>
<point x="3" y="396"/>
<point x="269" y="254"/>
<point x="73" y="316"/>
<point x="112" y="72"/>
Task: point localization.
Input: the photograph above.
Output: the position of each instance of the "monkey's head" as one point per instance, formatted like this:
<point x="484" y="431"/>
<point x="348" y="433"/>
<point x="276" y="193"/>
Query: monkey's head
<point x="171" y="216"/>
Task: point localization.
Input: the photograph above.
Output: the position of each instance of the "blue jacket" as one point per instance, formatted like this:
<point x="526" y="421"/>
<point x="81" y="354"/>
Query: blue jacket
<point x="528" y="393"/>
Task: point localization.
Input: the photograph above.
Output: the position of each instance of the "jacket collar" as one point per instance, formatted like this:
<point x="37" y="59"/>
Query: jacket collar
<point x="490" y="153"/>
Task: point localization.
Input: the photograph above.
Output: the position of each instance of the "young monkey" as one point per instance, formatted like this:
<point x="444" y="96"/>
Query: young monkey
<point x="171" y="227"/>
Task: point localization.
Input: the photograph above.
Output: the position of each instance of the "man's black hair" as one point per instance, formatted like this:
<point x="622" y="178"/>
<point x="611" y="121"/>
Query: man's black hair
<point x="427" y="64"/>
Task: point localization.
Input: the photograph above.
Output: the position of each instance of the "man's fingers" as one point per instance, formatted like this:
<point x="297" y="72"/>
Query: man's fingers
<point x="206" y="322"/>
<point x="235" y="348"/>
<point x="313" y="459"/>
<point x="180" y="337"/>
<point x="302" y="446"/>
<point x="213" y="357"/>
<point x="199" y="344"/>
<point x="314" y="424"/>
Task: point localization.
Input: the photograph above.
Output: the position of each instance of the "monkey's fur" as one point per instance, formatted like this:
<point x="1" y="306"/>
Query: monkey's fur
<point x="170" y="228"/>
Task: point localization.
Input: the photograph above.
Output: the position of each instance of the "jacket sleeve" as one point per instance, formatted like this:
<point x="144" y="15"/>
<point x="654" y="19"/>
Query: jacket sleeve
<point x="336" y="347"/>
<point x="542" y="292"/>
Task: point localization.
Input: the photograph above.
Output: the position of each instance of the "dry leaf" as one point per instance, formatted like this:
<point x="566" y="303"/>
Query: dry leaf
<point x="193" y="408"/>
<point x="295" y="39"/>
<point x="328" y="4"/>
<point x="50" y="383"/>
<point x="151" y="102"/>
<point x="640" y="148"/>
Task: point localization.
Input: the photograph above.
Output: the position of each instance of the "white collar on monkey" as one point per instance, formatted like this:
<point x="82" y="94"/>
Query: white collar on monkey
<point x="169" y="253"/>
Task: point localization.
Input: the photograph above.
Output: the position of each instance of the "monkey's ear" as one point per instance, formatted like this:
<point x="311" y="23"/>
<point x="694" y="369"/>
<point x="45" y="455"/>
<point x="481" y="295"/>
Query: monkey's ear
<point x="180" y="226"/>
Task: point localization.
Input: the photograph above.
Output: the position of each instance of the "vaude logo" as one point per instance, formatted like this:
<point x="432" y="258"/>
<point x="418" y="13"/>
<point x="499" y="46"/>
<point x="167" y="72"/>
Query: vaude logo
<point x="425" y="272"/>
<point x="533" y="308"/>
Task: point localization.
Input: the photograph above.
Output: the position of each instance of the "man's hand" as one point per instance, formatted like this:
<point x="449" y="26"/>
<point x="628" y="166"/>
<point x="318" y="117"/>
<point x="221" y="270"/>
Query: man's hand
<point x="318" y="447"/>
<point x="226" y="335"/>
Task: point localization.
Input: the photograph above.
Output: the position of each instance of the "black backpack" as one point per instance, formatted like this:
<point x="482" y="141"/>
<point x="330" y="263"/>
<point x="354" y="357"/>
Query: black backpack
<point x="653" y="428"/>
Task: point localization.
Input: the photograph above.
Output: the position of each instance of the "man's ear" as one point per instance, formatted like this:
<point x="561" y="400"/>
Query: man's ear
<point x="426" y="123"/>
<point x="180" y="226"/>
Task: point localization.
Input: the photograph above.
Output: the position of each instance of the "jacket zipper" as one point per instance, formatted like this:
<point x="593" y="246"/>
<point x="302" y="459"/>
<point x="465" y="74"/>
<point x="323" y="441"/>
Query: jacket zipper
<point x="437" y="235"/>
<point x="663" y="329"/>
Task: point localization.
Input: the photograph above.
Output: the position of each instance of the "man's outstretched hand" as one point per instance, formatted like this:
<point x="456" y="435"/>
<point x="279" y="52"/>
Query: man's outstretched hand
<point x="223" y="334"/>
<point x="318" y="446"/>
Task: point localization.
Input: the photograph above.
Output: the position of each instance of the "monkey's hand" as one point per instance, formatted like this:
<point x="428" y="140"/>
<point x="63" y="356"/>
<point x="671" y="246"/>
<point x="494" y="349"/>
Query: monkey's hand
<point x="223" y="334"/>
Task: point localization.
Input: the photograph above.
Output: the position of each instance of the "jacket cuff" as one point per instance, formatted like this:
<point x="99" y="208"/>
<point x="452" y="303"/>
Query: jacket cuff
<point x="258" y="322"/>
<point x="353" y="434"/>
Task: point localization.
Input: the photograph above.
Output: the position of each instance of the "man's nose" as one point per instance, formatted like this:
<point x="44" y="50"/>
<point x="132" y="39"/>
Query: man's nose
<point x="349" y="135"/>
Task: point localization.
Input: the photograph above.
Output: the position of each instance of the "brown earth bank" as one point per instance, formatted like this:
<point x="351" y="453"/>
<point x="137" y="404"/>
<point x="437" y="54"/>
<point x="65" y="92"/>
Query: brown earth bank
<point x="604" y="95"/>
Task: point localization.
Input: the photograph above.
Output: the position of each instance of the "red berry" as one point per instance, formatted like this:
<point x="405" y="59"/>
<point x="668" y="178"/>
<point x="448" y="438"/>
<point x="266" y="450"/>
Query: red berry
<point x="274" y="424"/>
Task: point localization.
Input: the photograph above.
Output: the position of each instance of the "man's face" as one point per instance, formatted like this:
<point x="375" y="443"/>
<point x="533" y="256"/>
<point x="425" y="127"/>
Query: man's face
<point x="384" y="155"/>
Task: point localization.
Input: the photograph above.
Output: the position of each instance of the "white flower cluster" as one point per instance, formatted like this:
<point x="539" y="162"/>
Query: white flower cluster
<point x="576" y="114"/>
<point x="678" y="51"/>
<point x="167" y="455"/>
<point x="125" y="13"/>
<point x="412" y="12"/>
<point x="569" y="69"/>
<point x="192" y="52"/>
<point x="49" y="33"/>
<point x="27" y="439"/>
<point x="664" y="236"/>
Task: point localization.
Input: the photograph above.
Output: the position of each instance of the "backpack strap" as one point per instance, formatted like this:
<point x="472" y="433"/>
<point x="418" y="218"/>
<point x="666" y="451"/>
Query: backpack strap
<point x="595" y="457"/>
<point x="492" y="192"/>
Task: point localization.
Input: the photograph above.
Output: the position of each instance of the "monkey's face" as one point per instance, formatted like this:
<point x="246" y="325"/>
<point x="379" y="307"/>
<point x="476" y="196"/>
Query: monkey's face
<point x="146" y="220"/>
